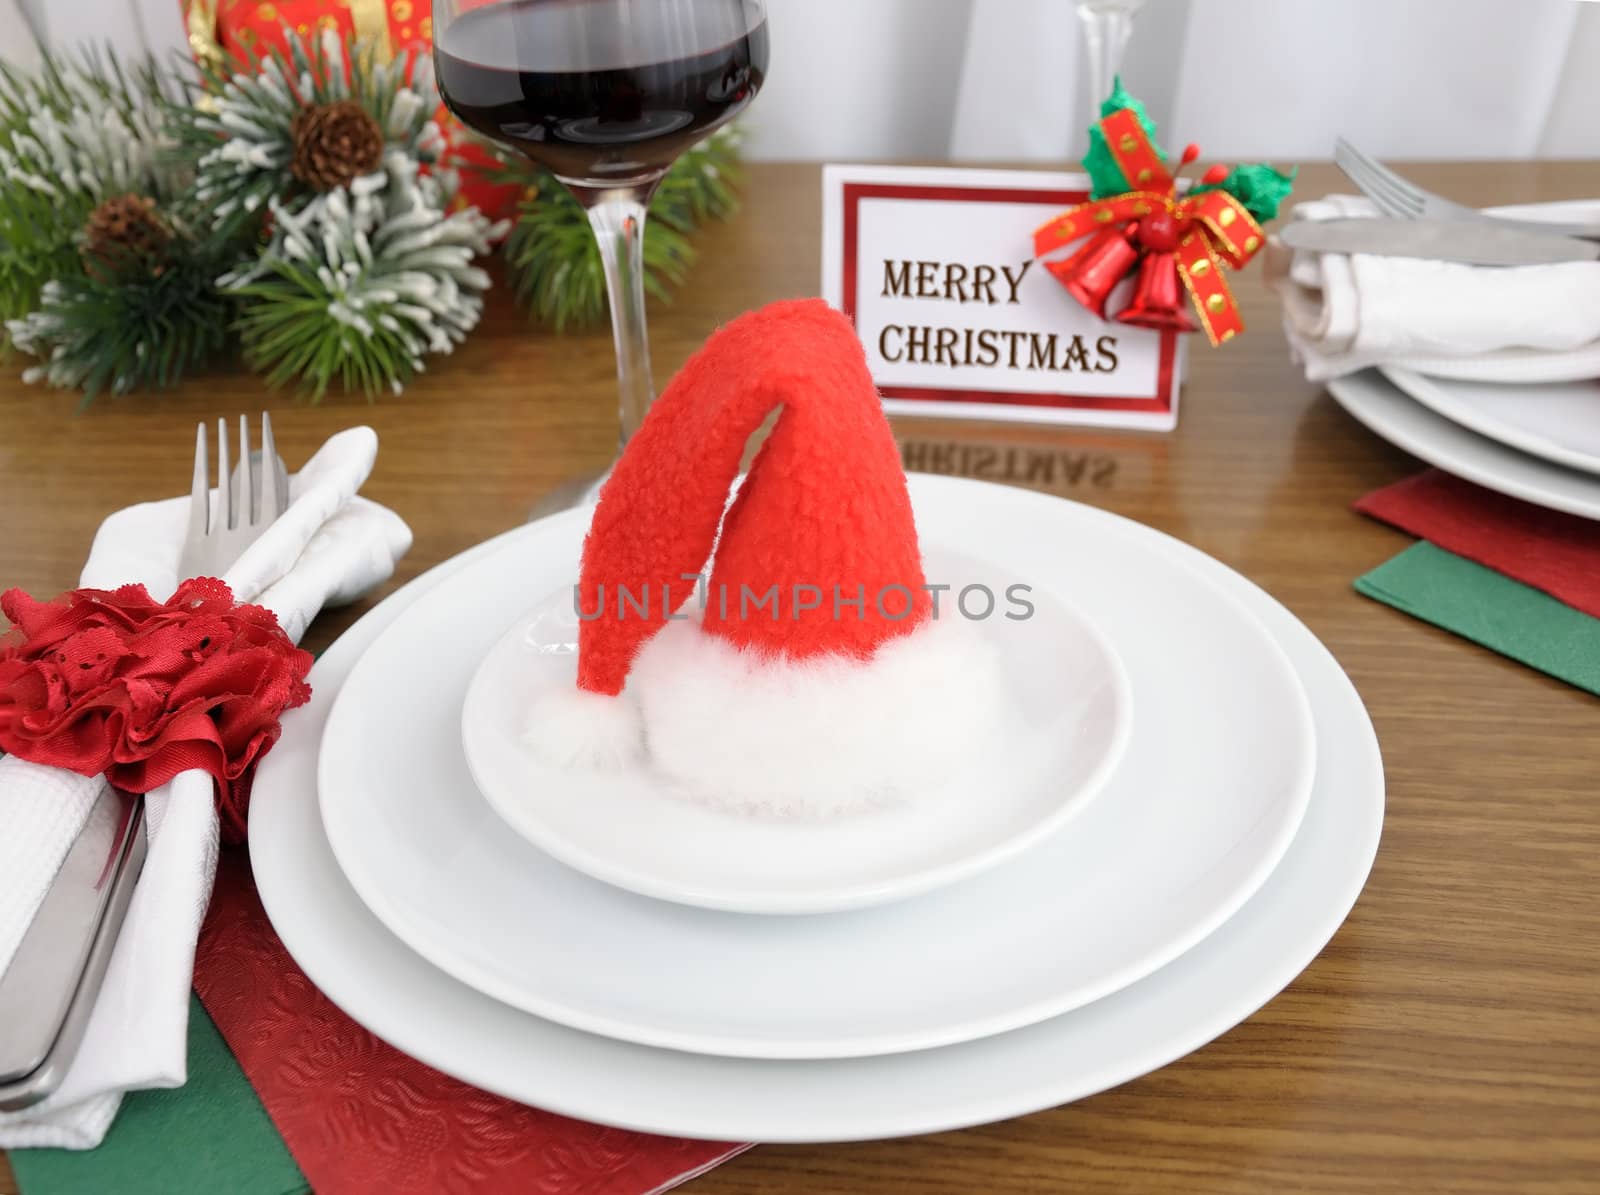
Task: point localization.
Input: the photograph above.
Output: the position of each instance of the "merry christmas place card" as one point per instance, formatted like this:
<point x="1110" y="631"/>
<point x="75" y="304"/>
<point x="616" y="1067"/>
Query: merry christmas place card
<point x="936" y="268"/>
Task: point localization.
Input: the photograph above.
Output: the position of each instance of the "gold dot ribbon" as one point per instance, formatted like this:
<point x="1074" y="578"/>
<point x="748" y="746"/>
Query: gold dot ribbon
<point x="1214" y="228"/>
<point x="1134" y="152"/>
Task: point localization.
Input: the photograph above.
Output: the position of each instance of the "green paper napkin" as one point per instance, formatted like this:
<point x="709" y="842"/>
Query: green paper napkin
<point x="207" y="1137"/>
<point x="1482" y="605"/>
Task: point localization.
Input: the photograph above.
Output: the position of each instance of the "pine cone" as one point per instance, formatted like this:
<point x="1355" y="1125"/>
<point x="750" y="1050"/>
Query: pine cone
<point x="334" y="143"/>
<point x="125" y="234"/>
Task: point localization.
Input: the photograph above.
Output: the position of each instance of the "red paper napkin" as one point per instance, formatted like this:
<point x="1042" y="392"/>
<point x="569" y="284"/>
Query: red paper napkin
<point x="1546" y="549"/>
<point x="361" y="1117"/>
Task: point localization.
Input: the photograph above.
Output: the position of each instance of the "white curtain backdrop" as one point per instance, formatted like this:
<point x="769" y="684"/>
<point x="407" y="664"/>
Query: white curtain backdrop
<point x="999" y="80"/>
<point x="1003" y="80"/>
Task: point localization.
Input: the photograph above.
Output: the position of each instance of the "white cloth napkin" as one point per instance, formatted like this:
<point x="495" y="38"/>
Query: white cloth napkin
<point x="330" y="546"/>
<point x="1345" y="312"/>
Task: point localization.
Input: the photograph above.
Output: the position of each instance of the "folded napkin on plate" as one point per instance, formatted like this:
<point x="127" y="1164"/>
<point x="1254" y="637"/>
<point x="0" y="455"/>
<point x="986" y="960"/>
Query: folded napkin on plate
<point x="331" y="546"/>
<point x="1344" y="312"/>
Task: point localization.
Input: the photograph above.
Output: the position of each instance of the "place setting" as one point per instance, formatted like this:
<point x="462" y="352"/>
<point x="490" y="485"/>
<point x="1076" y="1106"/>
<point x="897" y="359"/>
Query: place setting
<point x="758" y="788"/>
<point x="1468" y="338"/>
<point x="699" y="785"/>
<point x="1465" y="338"/>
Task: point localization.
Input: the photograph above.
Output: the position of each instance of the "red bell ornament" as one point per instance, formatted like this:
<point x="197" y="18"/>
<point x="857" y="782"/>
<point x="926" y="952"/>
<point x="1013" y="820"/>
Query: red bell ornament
<point x="1178" y="238"/>
<point x="1158" y="298"/>
<point x="1094" y="270"/>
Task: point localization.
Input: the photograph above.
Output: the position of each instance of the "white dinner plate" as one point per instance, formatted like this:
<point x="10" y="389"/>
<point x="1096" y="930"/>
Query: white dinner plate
<point x="419" y="1009"/>
<point x="1557" y="421"/>
<point x="1406" y="423"/>
<point x="1067" y="726"/>
<point x="1214" y="783"/>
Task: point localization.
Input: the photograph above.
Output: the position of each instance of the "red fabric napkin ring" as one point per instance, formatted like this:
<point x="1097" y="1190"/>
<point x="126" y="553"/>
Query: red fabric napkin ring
<point x="112" y="681"/>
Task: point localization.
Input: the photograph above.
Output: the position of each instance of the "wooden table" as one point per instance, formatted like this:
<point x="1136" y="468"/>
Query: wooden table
<point x="1449" y="1037"/>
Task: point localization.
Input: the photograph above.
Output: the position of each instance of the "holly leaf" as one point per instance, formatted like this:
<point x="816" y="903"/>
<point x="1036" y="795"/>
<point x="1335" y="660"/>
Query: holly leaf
<point x="1104" y="174"/>
<point x="1259" y="187"/>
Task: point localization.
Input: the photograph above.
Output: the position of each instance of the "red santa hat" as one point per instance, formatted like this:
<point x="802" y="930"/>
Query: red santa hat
<point x="807" y="673"/>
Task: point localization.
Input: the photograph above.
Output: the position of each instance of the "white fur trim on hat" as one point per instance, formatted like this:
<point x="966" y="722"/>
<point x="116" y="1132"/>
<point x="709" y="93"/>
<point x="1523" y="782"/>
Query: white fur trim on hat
<point x="572" y="728"/>
<point x="820" y="736"/>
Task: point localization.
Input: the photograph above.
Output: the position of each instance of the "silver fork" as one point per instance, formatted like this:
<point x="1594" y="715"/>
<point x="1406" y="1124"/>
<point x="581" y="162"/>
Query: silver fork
<point x="217" y="538"/>
<point x="1399" y="197"/>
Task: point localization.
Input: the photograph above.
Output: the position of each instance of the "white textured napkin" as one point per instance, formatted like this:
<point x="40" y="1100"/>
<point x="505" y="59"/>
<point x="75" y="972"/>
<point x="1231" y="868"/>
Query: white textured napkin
<point x="330" y="547"/>
<point x="1520" y="324"/>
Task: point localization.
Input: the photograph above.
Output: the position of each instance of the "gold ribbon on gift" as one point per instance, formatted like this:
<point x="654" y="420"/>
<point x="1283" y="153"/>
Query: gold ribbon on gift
<point x="369" y="20"/>
<point x="200" y="20"/>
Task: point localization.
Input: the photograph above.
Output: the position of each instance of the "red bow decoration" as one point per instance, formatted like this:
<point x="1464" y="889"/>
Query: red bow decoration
<point x="115" y="682"/>
<point x="1167" y="238"/>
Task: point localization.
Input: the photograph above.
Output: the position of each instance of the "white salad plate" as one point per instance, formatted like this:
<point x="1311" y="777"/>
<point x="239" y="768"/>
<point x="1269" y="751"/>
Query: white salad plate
<point x="1557" y="421"/>
<point x="1390" y="413"/>
<point x="396" y="994"/>
<point x="1068" y="724"/>
<point x="1210" y="792"/>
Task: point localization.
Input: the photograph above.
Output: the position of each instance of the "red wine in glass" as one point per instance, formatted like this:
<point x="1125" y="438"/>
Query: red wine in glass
<point x="603" y="92"/>
<point x="606" y="94"/>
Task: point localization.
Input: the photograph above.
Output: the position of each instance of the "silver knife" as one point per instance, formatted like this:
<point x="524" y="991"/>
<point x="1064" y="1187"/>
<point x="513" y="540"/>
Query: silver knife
<point x="1466" y="241"/>
<point x="49" y="988"/>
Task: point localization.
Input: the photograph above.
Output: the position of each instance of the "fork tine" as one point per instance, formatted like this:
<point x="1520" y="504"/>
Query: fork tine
<point x="1388" y="200"/>
<point x="1355" y="164"/>
<point x="1373" y="185"/>
<point x="1400" y="198"/>
<point x="1346" y="153"/>
<point x="269" y="462"/>
<point x="225" y="502"/>
<point x="1397" y="183"/>
<point x="1345" y="158"/>
<point x="250" y="500"/>
<point x="1380" y="184"/>
<point x="200" y="490"/>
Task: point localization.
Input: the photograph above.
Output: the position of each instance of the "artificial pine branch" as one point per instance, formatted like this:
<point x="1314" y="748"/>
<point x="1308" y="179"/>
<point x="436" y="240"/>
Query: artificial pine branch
<point x="359" y="288"/>
<point x="241" y="139"/>
<point x="554" y="260"/>
<point x="71" y="135"/>
<point x="95" y="331"/>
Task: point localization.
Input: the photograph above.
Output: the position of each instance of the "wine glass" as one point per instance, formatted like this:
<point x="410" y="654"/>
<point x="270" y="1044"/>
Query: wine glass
<point x="1107" y="25"/>
<point x="605" y="94"/>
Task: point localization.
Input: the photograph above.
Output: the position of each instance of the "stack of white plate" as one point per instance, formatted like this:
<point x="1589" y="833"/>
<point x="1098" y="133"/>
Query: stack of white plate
<point x="1212" y="806"/>
<point x="1536" y="439"/>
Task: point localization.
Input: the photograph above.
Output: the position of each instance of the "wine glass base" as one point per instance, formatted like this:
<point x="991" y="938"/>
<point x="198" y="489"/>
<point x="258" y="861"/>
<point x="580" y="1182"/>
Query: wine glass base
<point x="582" y="490"/>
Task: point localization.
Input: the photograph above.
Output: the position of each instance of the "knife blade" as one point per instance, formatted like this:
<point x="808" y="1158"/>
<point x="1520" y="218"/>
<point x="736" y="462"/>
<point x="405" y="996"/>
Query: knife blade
<point x="50" y="986"/>
<point x="1437" y="240"/>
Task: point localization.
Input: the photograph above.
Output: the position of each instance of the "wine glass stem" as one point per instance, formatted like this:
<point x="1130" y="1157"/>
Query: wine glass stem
<point x="1105" y="34"/>
<point x="618" y="224"/>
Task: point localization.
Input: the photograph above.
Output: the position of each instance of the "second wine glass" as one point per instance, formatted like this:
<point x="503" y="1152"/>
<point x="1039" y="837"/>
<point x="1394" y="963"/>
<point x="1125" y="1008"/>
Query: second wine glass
<point x="1107" y="25"/>
<point x="606" y="94"/>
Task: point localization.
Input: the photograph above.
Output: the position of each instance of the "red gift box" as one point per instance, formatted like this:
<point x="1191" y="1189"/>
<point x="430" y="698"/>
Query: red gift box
<point x="240" y="28"/>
